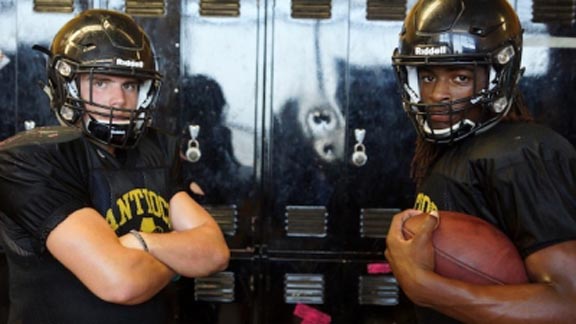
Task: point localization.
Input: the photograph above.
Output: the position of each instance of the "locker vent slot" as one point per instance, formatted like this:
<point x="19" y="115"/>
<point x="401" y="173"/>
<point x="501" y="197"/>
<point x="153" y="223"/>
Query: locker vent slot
<point x="303" y="288"/>
<point x="218" y="287"/>
<point x="311" y="9"/>
<point x="220" y="8"/>
<point x="151" y="8"/>
<point x="378" y="290"/>
<point x="53" y="5"/>
<point x="554" y="11"/>
<point x="374" y="222"/>
<point x="306" y="221"/>
<point x="226" y="217"/>
<point x="386" y="10"/>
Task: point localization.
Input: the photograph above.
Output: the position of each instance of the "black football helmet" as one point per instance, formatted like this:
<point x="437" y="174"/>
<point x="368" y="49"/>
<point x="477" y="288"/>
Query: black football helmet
<point x="485" y="34"/>
<point x="102" y="42"/>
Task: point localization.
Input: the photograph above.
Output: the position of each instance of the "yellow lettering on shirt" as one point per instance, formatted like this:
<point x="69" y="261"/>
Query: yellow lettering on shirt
<point x="424" y="203"/>
<point x="140" y="203"/>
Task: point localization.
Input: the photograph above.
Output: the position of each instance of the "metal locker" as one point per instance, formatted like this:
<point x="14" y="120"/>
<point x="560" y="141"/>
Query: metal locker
<point x="321" y="290"/>
<point x="219" y="110"/>
<point x="337" y="164"/>
<point x="218" y="119"/>
<point x="329" y="84"/>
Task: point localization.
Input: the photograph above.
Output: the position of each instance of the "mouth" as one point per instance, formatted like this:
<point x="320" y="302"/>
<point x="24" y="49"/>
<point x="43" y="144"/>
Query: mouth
<point x="443" y="117"/>
<point x="439" y="120"/>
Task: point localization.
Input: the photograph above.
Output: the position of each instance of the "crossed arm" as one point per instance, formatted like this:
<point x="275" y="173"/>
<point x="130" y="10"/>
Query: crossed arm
<point x="549" y="298"/>
<point x="118" y="270"/>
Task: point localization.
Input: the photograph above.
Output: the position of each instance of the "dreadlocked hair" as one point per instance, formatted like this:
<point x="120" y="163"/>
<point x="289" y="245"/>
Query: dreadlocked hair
<point x="426" y="153"/>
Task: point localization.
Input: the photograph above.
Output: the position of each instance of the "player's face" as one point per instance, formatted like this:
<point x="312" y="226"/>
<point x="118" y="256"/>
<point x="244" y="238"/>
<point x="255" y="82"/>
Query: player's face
<point x="443" y="84"/>
<point x="110" y="91"/>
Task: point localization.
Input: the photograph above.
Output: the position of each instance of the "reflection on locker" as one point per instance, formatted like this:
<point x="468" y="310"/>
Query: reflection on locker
<point x="293" y="137"/>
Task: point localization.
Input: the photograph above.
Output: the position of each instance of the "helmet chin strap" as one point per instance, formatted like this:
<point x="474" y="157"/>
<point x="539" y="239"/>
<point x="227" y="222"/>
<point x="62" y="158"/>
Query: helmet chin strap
<point x="106" y="132"/>
<point x="465" y="124"/>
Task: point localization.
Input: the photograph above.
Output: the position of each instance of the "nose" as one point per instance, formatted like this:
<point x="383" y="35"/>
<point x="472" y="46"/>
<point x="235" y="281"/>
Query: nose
<point x="117" y="97"/>
<point x="441" y="90"/>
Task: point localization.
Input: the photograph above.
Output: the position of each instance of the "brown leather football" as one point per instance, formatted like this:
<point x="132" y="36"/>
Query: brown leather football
<point x="472" y="250"/>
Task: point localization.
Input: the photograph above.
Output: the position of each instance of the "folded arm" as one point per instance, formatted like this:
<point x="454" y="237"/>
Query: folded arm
<point x="196" y="247"/>
<point x="118" y="270"/>
<point x="86" y="245"/>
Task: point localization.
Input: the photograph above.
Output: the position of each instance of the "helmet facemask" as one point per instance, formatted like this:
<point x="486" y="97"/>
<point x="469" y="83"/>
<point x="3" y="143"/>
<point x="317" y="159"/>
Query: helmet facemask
<point x="117" y="126"/>
<point x="493" y="98"/>
<point x="459" y="33"/>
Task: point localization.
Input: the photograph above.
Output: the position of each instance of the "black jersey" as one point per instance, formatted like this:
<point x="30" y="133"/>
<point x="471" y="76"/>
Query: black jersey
<point x="520" y="177"/>
<point x="48" y="173"/>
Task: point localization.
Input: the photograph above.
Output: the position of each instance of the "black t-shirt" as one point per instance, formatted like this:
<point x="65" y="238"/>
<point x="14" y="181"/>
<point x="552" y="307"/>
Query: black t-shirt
<point x="48" y="173"/>
<point x="520" y="177"/>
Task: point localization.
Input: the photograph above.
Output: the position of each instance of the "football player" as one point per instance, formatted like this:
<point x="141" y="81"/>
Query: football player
<point x="458" y="66"/>
<point x="94" y="220"/>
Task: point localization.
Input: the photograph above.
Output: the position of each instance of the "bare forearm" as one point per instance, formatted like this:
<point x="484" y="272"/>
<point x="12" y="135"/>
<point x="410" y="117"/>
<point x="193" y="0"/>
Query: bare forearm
<point x="136" y="278"/>
<point x="114" y="269"/>
<point x="528" y="303"/>
<point x="192" y="253"/>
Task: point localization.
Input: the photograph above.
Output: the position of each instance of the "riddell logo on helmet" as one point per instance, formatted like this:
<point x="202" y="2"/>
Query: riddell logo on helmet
<point x="129" y="63"/>
<point x="431" y="50"/>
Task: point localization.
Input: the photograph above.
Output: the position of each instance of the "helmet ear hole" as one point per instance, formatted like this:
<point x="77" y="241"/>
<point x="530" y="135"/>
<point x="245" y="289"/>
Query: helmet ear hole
<point x="499" y="105"/>
<point x="69" y="115"/>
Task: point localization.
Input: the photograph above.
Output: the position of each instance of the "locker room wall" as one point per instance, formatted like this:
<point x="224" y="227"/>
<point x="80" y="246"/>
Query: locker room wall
<point x="281" y="96"/>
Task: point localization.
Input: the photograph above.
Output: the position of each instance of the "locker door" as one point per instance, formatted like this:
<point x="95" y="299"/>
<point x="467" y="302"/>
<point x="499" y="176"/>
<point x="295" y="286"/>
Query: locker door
<point x="307" y="125"/>
<point x="218" y="118"/>
<point x="379" y="135"/>
<point x="332" y="97"/>
<point x="219" y="110"/>
<point x="24" y="24"/>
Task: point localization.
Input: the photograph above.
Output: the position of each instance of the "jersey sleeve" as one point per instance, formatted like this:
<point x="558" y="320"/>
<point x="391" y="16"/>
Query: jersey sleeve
<point x="536" y="195"/>
<point x="40" y="185"/>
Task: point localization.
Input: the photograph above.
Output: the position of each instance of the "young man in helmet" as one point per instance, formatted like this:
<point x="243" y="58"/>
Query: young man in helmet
<point x="458" y="65"/>
<point x="92" y="215"/>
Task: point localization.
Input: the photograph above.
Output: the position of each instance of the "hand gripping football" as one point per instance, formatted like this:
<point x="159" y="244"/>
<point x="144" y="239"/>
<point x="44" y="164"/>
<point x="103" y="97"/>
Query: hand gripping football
<point x="470" y="249"/>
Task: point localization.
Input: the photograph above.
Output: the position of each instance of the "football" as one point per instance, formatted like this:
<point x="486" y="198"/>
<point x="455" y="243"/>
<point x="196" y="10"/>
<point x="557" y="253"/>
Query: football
<point x="470" y="249"/>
